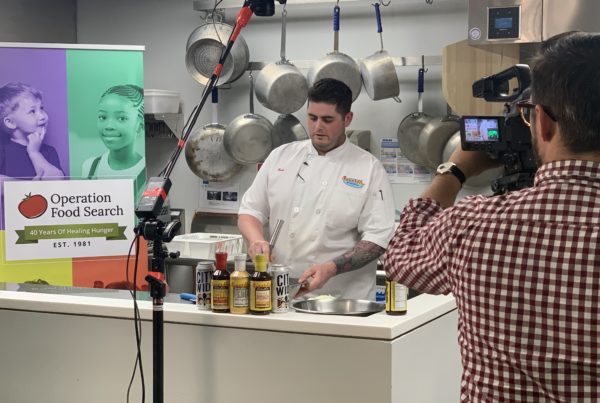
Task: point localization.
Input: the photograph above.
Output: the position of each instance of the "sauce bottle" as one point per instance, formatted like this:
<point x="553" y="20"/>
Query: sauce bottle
<point x="239" y="287"/>
<point x="220" y="284"/>
<point x="260" y="287"/>
<point x="396" y="297"/>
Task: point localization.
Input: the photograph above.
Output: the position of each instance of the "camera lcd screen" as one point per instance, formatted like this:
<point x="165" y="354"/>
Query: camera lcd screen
<point x="481" y="129"/>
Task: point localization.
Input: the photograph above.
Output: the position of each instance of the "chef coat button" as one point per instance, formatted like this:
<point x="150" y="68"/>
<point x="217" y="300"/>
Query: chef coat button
<point x="318" y="211"/>
<point x="292" y="235"/>
<point x="296" y="210"/>
<point x="324" y="183"/>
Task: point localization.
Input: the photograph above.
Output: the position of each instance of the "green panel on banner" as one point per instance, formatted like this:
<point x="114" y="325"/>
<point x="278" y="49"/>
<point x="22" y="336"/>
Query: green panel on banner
<point x="106" y="119"/>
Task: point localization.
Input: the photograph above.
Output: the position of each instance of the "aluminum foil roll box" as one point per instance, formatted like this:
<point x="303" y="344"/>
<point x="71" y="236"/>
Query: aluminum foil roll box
<point x="202" y="245"/>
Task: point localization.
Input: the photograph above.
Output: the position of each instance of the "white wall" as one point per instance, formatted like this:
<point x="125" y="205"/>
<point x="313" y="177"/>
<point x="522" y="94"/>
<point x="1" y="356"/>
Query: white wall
<point x="410" y="28"/>
<point x="37" y="21"/>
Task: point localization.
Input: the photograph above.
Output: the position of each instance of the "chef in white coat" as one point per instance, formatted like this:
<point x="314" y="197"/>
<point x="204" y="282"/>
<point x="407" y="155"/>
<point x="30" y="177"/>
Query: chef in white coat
<point x="334" y="198"/>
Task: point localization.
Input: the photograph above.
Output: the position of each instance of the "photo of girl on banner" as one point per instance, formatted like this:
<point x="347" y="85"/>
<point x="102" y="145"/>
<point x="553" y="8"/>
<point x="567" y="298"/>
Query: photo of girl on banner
<point x="120" y="125"/>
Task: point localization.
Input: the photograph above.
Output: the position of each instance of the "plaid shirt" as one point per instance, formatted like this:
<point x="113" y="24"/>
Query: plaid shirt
<point x="525" y="271"/>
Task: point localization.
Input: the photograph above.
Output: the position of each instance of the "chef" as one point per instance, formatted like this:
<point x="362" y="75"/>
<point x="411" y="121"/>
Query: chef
<point x="334" y="198"/>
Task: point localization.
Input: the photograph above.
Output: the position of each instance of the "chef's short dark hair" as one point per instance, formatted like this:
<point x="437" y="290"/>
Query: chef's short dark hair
<point x="333" y="92"/>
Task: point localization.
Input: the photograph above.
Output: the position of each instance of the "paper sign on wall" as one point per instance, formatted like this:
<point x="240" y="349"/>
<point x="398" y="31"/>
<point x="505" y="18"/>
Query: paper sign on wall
<point x="68" y="218"/>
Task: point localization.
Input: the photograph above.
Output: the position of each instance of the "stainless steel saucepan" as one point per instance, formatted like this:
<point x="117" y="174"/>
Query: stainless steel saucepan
<point x="286" y="129"/>
<point x="248" y="138"/>
<point x="378" y="71"/>
<point x="204" y="48"/>
<point x="336" y="64"/>
<point x="411" y="126"/>
<point x="281" y="86"/>
<point x="204" y="151"/>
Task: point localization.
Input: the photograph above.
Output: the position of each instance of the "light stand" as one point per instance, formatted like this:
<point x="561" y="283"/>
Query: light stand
<point x="154" y="196"/>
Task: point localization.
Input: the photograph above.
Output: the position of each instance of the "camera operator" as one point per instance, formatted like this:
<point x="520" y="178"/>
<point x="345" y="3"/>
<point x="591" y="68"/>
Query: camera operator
<point x="524" y="266"/>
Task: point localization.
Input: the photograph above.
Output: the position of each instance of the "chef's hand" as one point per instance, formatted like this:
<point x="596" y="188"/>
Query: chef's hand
<point x="260" y="246"/>
<point x="316" y="276"/>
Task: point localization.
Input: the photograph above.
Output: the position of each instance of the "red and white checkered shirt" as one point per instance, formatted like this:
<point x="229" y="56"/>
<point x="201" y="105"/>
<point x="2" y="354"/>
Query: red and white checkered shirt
<point x="525" y="271"/>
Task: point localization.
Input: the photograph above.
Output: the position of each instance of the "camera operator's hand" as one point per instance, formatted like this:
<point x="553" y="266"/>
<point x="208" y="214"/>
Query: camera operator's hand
<point x="472" y="163"/>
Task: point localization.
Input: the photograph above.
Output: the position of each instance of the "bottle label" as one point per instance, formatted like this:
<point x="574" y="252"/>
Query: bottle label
<point x="220" y="294"/>
<point x="260" y="295"/>
<point x="395" y="297"/>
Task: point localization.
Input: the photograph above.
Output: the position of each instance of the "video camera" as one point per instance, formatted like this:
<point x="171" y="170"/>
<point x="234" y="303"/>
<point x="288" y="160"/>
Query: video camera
<point x="505" y="138"/>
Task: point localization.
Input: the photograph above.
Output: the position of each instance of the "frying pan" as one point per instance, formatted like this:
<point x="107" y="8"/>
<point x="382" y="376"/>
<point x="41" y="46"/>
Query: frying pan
<point x="434" y="136"/>
<point x="248" y="138"/>
<point x="336" y="64"/>
<point x="411" y="126"/>
<point x="204" y="151"/>
<point x="287" y="128"/>
<point x="378" y="71"/>
<point x="281" y="86"/>
<point x="204" y="48"/>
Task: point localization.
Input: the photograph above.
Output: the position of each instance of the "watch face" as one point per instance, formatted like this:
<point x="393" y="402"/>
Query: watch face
<point x="444" y="168"/>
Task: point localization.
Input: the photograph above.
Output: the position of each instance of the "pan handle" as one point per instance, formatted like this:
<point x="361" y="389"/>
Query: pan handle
<point x="379" y="27"/>
<point x="283" y="29"/>
<point x="378" y="16"/>
<point x="215" y="102"/>
<point x="420" y="89"/>
<point x="251" y="92"/>
<point x="336" y="28"/>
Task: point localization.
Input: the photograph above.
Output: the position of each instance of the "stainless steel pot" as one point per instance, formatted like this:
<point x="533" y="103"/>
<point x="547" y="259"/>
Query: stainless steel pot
<point x="248" y="138"/>
<point x="286" y="129"/>
<point x="411" y="126"/>
<point x="204" y="151"/>
<point x="336" y="64"/>
<point x="484" y="179"/>
<point x="203" y="51"/>
<point x="281" y="86"/>
<point x="378" y="71"/>
<point x="433" y="138"/>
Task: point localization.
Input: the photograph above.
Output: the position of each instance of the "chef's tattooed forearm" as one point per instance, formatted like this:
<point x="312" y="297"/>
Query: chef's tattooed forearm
<point x="362" y="253"/>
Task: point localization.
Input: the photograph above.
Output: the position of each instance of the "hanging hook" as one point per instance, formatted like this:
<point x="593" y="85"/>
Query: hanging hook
<point x="384" y="4"/>
<point x="423" y="64"/>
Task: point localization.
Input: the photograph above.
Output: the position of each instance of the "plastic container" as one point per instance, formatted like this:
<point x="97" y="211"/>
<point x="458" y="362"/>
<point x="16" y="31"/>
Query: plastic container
<point x="161" y="101"/>
<point x="202" y="245"/>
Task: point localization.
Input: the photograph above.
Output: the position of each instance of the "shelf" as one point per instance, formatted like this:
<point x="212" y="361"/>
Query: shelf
<point x="398" y="62"/>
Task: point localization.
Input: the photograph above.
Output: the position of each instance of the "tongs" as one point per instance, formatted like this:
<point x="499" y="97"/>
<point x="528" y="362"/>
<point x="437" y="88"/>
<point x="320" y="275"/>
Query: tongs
<point x="275" y="234"/>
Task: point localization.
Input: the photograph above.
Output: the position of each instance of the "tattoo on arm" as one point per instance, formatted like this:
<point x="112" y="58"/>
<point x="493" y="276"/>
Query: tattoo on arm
<point x="362" y="253"/>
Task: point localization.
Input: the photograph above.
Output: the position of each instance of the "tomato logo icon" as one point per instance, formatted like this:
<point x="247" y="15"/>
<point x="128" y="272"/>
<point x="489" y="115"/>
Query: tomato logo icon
<point x="33" y="206"/>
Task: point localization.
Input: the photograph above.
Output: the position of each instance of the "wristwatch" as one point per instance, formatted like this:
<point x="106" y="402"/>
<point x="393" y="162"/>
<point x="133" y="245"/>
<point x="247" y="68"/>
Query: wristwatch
<point x="451" y="168"/>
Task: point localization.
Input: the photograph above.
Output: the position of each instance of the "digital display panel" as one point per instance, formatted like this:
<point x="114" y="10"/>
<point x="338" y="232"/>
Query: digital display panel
<point x="503" y="23"/>
<point x="482" y="130"/>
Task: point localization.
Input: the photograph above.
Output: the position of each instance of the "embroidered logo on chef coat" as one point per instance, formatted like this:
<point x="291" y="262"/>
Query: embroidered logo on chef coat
<point x="352" y="182"/>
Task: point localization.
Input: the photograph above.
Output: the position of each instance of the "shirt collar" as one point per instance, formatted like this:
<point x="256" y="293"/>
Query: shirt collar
<point x="312" y="151"/>
<point x="561" y="170"/>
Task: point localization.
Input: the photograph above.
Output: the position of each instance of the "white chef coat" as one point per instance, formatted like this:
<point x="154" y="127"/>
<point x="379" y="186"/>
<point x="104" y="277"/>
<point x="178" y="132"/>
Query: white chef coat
<point x="328" y="203"/>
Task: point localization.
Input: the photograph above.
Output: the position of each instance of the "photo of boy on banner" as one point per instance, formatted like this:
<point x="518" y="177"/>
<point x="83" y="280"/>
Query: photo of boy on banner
<point x="23" y="126"/>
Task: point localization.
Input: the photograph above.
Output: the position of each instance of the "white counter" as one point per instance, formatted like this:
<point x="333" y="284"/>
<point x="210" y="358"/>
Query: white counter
<point x="379" y="358"/>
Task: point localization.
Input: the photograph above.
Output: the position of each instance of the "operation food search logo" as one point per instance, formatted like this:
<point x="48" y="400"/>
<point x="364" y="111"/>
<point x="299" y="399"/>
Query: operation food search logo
<point x="72" y="206"/>
<point x="352" y="182"/>
<point x="33" y="206"/>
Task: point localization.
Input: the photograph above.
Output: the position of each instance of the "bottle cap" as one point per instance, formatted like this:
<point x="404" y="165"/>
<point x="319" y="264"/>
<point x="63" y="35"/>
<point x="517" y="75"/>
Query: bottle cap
<point x="260" y="262"/>
<point x="221" y="258"/>
<point x="241" y="257"/>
